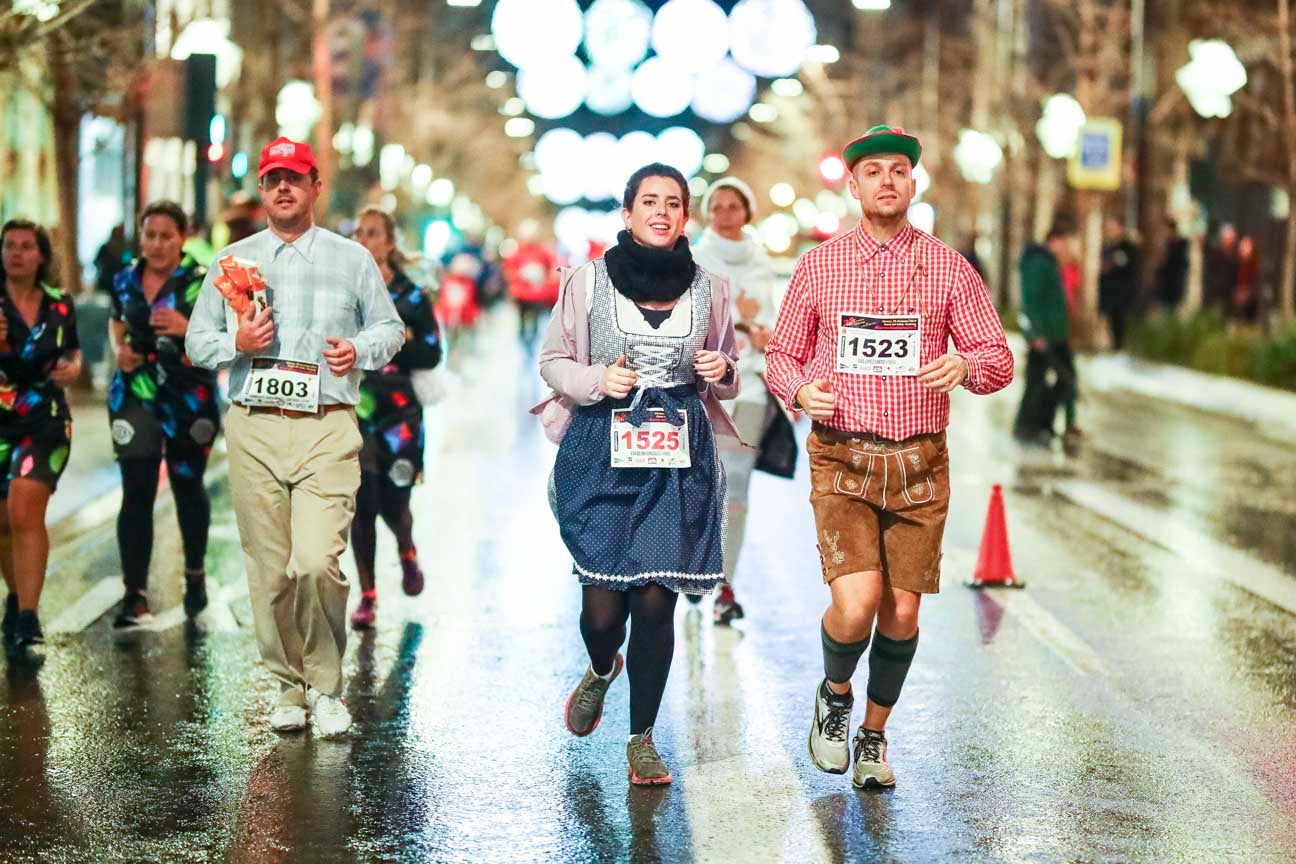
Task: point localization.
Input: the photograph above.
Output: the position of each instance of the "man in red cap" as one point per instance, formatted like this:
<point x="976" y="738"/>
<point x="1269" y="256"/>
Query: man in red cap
<point x="291" y="431"/>
<point x="861" y="345"/>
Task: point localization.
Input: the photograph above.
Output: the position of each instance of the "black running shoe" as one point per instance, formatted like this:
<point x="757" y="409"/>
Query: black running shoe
<point x="134" y="611"/>
<point x="10" y="625"/>
<point x="195" y="596"/>
<point x="28" y="629"/>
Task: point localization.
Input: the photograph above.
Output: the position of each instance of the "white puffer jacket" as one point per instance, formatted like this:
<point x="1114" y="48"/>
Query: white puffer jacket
<point x="751" y="274"/>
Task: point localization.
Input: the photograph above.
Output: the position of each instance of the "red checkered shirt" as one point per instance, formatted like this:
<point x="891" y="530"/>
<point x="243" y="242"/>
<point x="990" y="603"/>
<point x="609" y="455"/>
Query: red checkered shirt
<point x="911" y="273"/>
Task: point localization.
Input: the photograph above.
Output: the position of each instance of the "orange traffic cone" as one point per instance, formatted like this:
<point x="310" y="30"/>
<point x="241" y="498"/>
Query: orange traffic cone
<point x="994" y="565"/>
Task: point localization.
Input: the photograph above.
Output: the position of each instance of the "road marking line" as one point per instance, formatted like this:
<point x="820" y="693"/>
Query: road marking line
<point x="1200" y="552"/>
<point x="89" y="607"/>
<point x="217" y="617"/>
<point x="777" y="820"/>
<point x="1039" y="622"/>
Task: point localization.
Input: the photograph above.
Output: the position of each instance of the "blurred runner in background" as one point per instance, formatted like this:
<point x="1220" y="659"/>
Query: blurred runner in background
<point x="160" y="406"/>
<point x="727" y="249"/>
<point x="391" y="421"/>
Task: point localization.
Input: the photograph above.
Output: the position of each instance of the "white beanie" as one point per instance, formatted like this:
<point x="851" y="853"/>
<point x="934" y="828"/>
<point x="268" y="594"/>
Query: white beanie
<point x="738" y="186"/>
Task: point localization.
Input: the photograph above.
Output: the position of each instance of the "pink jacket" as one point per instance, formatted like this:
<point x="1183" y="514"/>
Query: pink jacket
<point x="565" y="356"/>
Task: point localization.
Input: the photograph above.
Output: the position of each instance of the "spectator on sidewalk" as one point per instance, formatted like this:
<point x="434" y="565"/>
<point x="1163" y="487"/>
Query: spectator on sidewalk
<point x="1172" y="271"/>
<point x="161" y="408"/>
<point x="39" y="356"/>
<point x="1046" y="326"/>
<point x="1221" y="277"/>
<point x="1118" y="281"/>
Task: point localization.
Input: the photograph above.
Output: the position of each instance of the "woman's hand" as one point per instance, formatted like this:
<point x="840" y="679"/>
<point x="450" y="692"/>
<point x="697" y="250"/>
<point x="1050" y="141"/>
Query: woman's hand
<point x="67" y="369"/>
<point x="710" y="365"/>
<point x="169" y="322"/>
<point x="618" y="381"/>
<point x="128" y="360"/>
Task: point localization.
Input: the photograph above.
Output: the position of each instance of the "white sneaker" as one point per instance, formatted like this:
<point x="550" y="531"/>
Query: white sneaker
<point x="288" y="718"/>
<point x="329" y="714"/>
<point x="872" y="770"/>
<point x="828" y="748"/>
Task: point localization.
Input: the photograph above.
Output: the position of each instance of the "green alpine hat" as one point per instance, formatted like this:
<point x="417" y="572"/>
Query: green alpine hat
<point x="882" y="139"/>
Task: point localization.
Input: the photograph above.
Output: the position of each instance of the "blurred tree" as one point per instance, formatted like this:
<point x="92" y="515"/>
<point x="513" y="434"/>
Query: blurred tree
<point x="82" y="58"/>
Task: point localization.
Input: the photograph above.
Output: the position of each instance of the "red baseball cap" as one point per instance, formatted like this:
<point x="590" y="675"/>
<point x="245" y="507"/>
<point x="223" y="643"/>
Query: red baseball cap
<point x="286" y="153"/>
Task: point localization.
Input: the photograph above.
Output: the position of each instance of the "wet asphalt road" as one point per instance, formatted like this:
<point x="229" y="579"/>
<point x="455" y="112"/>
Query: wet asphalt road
<point x="1137" y="702"/>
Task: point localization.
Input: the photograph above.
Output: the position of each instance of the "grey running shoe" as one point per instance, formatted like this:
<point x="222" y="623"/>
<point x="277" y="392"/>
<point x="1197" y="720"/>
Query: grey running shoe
<point x="646" y="766"/>
<point x="584" y="707"/>
<point x="828" y="748"/>
<point x="872" y="770"/>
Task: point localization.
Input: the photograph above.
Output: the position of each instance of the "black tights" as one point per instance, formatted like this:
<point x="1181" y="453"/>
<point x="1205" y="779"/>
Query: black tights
<point x="652" y="642"/>
<point x="377" y="497"/>
<point x="135" y="521"/>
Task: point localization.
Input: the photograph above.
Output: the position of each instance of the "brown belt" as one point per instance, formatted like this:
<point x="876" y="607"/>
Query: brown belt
<point x="840" y="436"/>
<point x="288" y="412"/>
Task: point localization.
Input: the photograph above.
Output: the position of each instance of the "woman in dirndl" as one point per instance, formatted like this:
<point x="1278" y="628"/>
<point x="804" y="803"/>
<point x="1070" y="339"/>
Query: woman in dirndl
<point x="641" y="348"/>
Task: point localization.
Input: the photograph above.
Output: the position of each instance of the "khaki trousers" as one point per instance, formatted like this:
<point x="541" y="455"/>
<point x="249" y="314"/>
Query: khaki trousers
<point x="294" y="481"/>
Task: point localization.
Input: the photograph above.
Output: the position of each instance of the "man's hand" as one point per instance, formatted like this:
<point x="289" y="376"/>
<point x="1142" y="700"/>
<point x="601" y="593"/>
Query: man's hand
<point x="617" y="380"/>
<point x="255" y="332"/>
<point x="169" y="322"/>
<point x="760" y="336"/>
<point x="944" y="373"/>
<point x="67" y="369"/>
<point x="748" y="307"/>
<point x="128" y="359"/>
<point x="711" y="365"/>
<point x="817" y="400"/>
<point x="341" y="356"/>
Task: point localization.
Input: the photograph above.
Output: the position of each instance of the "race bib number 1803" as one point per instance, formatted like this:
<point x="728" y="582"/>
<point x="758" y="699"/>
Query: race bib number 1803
<point x="279" y="383"/>
<point x="655" y="444"/>
<point x="878" y="344"/>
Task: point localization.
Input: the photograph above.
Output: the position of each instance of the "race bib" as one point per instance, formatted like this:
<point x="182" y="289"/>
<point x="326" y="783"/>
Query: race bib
<point x="276" y="383"/>
<point x="878" y="344"/>
<point x="655" y="444"/>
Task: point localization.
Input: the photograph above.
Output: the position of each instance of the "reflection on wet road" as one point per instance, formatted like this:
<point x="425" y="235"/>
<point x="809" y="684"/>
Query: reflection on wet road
<point x="1136" y="702"/>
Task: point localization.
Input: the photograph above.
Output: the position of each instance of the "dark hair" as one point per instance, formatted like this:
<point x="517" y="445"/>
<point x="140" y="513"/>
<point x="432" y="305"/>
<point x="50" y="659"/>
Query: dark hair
<point x="395" y="258"/>
<point x="42" y="243"/>
<point x="656" y="169"/>
<point x="1063" y="226"/>
<point x="171" y="210"/>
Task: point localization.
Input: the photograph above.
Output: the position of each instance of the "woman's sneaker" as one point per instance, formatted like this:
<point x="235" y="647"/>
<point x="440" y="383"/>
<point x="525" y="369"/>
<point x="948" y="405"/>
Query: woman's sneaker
<point x="828" y="748"/>
<point x="329" y="714"/>
<point x="134" y="611"/>
<point x="646" y="765"/>
<point x="411" y="577"/>
<point x="872" y="770"/>
<point x="27" y="630"/>
<point x="195" y="595"/>
<point x="584" y="707"/>
<point x="727" y="609"/>
<point x="365" y="614"/>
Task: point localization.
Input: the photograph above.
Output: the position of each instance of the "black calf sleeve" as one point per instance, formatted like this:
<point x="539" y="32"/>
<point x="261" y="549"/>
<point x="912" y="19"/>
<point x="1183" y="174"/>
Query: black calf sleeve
<point x="889" y="663"/>
<point x="840" y="659"/>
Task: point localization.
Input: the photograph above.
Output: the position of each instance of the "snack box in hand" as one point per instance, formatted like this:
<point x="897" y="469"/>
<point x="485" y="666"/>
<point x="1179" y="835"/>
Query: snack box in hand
<point x="241" y="283"/>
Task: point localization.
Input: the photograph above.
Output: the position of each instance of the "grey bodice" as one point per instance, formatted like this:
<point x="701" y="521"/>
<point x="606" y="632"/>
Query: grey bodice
<point x="663" y="357"/>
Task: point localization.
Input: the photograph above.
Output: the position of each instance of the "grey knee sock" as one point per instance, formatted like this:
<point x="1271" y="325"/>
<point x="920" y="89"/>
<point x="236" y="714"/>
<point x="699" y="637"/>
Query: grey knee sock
<point x="840" y="659"/>
<point x="889" y="663"/>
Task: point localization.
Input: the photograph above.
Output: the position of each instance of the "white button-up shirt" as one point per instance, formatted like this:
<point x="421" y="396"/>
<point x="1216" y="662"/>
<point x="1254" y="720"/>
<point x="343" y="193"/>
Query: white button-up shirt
<point x="318" y="286"/>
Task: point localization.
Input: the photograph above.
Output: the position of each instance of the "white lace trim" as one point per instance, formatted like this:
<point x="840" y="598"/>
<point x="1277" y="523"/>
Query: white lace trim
<point x="671" y="575"/>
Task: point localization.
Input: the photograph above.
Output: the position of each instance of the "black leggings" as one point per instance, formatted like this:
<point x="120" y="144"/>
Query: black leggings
<point x="652" y="642"/>
<point x="135" y="521"/>
<point x="379" y="497"/>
